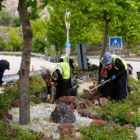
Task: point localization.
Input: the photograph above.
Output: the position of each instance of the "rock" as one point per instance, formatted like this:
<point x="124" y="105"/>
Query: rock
<point x="15" y="104"/>
<point x="65" y="125"/>
<point x="98" y="122"/>
<point x="86" y="79"/>
<point x="66" y="99"/>
<point x="63" y="114"/>
<point x="93" y="115"/>
<point x="103" y="100"/>
<point x="95" y="101"/>
<point x="80" y="105"/>
<point x="46" y="137"/>
<point x="91" y="87"/>
<point x="88" y="102"/>
<point x="43" y="95"/>
<point x="72" y="106"/>
<point x="66" y="129"/>
<point x="79" y="81"/>
<point x="85" y="112"/>
<point x="95" y="82"/>
<point x="71" y="99"/>
<point x="6" y="116"/>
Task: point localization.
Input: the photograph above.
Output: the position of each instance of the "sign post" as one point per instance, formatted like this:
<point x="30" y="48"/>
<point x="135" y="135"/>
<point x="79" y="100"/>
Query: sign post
<point x="67" y="15"/>
<point x="52" y="48"/>
<point x="115" y="43"/>
<point x="81" y="57"/>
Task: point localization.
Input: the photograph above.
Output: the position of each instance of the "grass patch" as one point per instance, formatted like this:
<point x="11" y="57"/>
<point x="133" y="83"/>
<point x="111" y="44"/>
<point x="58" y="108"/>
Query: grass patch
<point x="8" y="132"/>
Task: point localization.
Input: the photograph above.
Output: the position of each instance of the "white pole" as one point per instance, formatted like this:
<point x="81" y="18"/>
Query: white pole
<point x="67" y="35"/>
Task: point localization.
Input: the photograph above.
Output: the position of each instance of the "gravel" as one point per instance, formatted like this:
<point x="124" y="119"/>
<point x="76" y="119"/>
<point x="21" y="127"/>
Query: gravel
<point x="40" y="119"/>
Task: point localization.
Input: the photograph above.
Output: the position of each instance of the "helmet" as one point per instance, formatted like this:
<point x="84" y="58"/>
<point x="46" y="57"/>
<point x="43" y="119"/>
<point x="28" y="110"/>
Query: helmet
<point x="107" y="58"/>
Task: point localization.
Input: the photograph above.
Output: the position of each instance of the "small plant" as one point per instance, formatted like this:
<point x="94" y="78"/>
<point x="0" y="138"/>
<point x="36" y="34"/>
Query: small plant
<point x="108" y="132"/>
<point x="16" y="21"/>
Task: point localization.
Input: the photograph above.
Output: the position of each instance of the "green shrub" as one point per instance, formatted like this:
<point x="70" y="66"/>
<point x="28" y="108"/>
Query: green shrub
<point x="5" y="18"/>
<point x="3" y="44"/>
<point x="15" y="42"/>
<point x="108" y="132"/>
<point x="38" y="43"/>
<point x="37" y="85"/>
<point x="16" y="21"/>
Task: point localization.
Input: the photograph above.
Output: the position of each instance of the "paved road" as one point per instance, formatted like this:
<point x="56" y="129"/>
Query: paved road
<point x="135" y="65"/>
<point x="38" y="63"/>
<point x="16" y="61"/>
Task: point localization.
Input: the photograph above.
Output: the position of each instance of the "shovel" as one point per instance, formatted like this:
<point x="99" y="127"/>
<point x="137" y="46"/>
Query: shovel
<point x="99" y="86"/>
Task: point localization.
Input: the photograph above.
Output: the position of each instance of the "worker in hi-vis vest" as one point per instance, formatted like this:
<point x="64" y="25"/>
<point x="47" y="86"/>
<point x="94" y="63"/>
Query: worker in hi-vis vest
<point x="57" y="78"/>
<point x="46" y="53"/>
<point x="67" y="59"/>
<point x="114" y="67"/>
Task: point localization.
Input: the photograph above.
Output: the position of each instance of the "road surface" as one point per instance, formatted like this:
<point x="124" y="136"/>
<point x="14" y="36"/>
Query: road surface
<point x="37" y="63"/>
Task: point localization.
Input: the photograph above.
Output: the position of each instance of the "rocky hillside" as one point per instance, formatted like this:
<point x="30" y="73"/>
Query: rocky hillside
<point x="11" y="7"/>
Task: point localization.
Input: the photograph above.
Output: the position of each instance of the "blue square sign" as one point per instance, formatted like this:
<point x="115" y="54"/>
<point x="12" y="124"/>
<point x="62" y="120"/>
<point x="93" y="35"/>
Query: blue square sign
<point x="68" y="44"/>
<point x="115" y="43"/>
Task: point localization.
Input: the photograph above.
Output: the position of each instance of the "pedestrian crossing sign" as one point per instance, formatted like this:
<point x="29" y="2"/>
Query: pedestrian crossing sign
<point x="115" y="43"/>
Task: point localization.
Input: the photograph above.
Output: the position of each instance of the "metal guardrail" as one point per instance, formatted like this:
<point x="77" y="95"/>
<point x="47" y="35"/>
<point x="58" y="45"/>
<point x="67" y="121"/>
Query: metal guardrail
<point x="14" y="77"/>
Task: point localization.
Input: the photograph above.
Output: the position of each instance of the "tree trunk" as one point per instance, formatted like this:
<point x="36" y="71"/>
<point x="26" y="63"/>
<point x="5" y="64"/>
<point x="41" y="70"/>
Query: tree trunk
<point x="25" y="65"/>
<point x="105" y="38"/>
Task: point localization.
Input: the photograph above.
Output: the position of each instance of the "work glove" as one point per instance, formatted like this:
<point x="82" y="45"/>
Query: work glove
<point x="102" y="81"/>
<point x="4" y="84"/>
<point x="48" y="99"/>
<point x="113" y="77"/>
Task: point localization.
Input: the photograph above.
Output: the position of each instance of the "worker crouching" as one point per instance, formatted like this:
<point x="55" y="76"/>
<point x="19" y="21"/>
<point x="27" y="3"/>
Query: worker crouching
<point x="58" y="80"/>
<point x="65" y="58"/>
<point x="114" y="67"/>
<point x="4" y="64"/>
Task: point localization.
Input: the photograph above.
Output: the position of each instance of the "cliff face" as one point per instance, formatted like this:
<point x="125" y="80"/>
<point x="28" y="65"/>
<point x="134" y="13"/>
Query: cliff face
<point x="12" y="5"/>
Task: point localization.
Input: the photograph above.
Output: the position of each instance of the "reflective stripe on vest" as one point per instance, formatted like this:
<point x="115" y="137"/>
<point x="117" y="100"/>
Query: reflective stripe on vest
<point x="64" y="69"/>
<point x="113" y="60"/>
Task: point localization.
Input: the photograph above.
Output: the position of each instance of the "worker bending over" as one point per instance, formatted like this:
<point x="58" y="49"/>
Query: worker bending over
<point x="91" y="66"/>
<point x="65" y="58"/>
<point x="114" y="67"/>
<point x="4" y="64"/>
<point x="59" y="75"/>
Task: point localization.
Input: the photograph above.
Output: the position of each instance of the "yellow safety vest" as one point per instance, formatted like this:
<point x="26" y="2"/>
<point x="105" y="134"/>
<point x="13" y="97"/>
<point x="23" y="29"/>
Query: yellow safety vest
<point x="113" y="61"/>
<point x="90" y="63"/>
<point x="64" y="69"/>
<point x="65" y="58"/>
<point x="46" y="52"/>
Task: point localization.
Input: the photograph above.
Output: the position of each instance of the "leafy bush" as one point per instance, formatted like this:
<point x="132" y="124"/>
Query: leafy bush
<point x="37" y="85"/>
<point x="16" y="21"/>
<point x="15" y="43"/>
<point x="38" y="43"/>
<point x="5" y="18"/>
<point x="3" y="43"/>
<point x="108" y="132"/>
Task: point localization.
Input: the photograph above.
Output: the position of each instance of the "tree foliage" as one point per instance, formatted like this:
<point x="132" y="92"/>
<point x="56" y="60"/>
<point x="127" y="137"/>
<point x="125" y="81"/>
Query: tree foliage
<point x="5" y="18"/>
<point x="16" y="21"/>
<point x="3" y="43"/>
